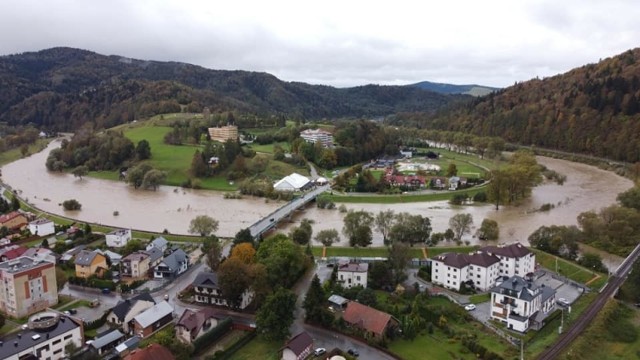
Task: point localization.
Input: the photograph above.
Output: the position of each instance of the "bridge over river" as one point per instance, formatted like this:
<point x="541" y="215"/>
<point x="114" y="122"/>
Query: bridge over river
<point x="270" y="221"/>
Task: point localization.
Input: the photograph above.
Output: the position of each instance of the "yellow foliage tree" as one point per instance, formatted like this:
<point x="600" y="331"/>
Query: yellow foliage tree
<point x="244" y="252"/>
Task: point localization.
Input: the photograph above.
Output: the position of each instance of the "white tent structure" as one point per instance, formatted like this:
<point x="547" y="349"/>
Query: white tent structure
<point x="293" y="182"/>
<point x="321" y="181"/>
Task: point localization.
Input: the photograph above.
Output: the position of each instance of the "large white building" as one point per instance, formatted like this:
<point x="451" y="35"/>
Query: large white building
<point x="42" y="227"/>
<point x="48" y="335"/>
<point x="293" y="182"/>
<point x="483" y="267"/>
<point x="118" y="238"/>
<point x="353" y="274"/>
<point x="520" y="304"/>
<point x="317" y="135"/>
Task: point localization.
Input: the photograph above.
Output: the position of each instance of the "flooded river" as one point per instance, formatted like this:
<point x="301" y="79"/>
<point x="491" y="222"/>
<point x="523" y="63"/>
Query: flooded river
<point x="173" y="208"/>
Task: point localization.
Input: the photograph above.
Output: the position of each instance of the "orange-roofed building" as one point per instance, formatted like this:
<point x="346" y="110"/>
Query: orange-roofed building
<point x="13" y="220"/>
<point x="151" y="352"/>
<point x="373" y="322"/>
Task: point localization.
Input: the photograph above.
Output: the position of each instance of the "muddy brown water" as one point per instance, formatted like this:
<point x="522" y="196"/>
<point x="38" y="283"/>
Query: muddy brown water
<point x="172" y="208"/>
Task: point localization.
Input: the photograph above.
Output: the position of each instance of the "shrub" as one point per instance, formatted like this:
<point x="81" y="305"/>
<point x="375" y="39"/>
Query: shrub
<point x="212" y="336"/>
<point x="71" y="204"/>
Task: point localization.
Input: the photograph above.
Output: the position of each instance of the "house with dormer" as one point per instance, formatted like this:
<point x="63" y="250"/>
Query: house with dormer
<point x="89" y="263"/>
<point x="123" y="313"/>
<point x="193" y="324"/>
<point x="172" y="265"/>
<point x="519" y="303"/>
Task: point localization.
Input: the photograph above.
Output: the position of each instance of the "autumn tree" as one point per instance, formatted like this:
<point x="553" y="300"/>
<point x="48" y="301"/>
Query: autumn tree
<point x="460" y="224"/>
<point x="327" y="237"/>
<point x="411" y="229"/>
<point x="488" y="230"/>
<point x="212" y="250"/>
<point x="203" y="225"/>
<point x="452" y="170"/>
<point x="244" y="252"/>
<point x="384" y="222"/>
<point x="198" y="166"/>
<point x="234" y="278"/>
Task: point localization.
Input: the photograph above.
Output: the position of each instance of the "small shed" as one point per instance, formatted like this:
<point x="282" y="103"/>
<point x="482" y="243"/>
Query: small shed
<point x="338" y="302"/>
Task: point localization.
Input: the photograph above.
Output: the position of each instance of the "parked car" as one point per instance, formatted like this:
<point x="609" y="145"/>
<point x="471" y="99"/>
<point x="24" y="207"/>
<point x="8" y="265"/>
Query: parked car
<point x="73" y="311"/>
<point x="353" y="352"/>
<point x="563" y="302"/>
<point x="319" y="351"/>
<point x="470" y="307"/>
<point x="106" y="291"/>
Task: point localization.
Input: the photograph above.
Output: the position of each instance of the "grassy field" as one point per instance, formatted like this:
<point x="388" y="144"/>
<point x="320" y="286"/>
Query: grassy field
<point x="569" y="269"/>
<point x="479" y="298"/>
<point x="416" y="252"/>
<point x="15" y="154"/>
<point x="259" y="348"/>
<point x="268" y="148"/>
<point x="401" y="198"/>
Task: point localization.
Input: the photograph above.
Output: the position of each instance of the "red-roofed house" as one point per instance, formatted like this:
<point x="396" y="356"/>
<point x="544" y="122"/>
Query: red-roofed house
<point x="13" y="253"/>
<point x="193" y="324"/>
<point x="151" y="352"/>
<point x="13" y="220"/>
<point x="373" y="322"/>
<point x="298" y="348"/>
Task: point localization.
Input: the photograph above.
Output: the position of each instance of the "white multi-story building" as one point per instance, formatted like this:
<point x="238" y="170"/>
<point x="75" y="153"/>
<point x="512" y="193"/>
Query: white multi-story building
<point x="515" y="259"/>
<point x="483" y="267"/>
<point x="48" y="335"/>
<point x="42" y="227"/>
<point x="27" y="286"/>
<point x="520" y="304"/>
<point x="353" y="274"/>
<point x="452" y="269"/>
<point x="317" y="135"/>
<point x="118" y="238"/>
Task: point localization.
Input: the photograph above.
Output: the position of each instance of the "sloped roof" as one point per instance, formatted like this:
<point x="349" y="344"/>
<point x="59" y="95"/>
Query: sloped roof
<point x="153" y="314"/>
<point x="131" y="343"/>
<point x="107" y="339"/>
<point x="154" y="254"/>
<point x="85" y="257"/>
<point x="299" y="343"/>
<point x="123" y="307"/>
<point x="151" y="352"/>
<point x="136" y="256"/>
<point x="14" y="253"/>
<point x="366" y="317"/>
<point x="207" y="280"/>
<point x="337" y="299"/>
<point x="517" y="287"/>
<point x="295" y="180"/>
<point x="483" y="259"/>
<point x="193" y="321"/>
<point x="456" y="260"/>
<point x="41" y="221"/>
<point x="12" y="215"/>
<point x="516" y="250"/>
<point x="159" y="242"/>
<point x="173" y="261"/>
<point x="354" y="267"/>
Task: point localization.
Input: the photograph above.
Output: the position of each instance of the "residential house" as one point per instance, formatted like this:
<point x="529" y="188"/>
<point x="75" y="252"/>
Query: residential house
<point x="123" y="313"/>
<point x="172" y="265"/>
<point x="89" y="263"/>
<point x="135" y="265"/>
<point x="118" y="238"/>
<point x="353" y="274"/>
<point x="298" y="347"/>
<point x="106" y="342"/>
<point x="43" y="342"/>
<point x="41" y="253"/>
<point x="515" y="259"/>
<point x="152" y="319"/>
<point x="13" y="220"/>
<point x="193" y="324"/>
<point x="456" y="182"/>
<point x="224" y="133"/>
<point x="12" y="252"/>
<point x="438" y="182"/>
<point x="516" y="302"/>
<point x="155" y="256"/>
<point x="317" y="136"/>
<point x="158" y="243"/>
<point x="207" y="291"/>
<point x="70" y="254"/>
<point x="42" y="227"/>
<point x="151" y="352"/>
<point x="113" y="256"/>
<point x="27" y="286"/>
<point x="372" y="322"/>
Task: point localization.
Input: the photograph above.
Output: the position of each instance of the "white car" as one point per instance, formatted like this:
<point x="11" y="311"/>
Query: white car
<point x="319" y="351"/>
<point x="563" y="302"/>
<point x="470" y="307"/>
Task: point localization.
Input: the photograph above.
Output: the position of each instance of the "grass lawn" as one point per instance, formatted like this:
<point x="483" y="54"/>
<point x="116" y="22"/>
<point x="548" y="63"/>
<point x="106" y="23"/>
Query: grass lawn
<point x="402" y="198"/>
<point x="569" y="269"/>
<point x="259" y="348"/>
<point x="268" y="148"/>
<point x="416" y="252"/>
<point x="479" y="298"/>
<point x="15" y="154"/>
<point x="6" y="328"/>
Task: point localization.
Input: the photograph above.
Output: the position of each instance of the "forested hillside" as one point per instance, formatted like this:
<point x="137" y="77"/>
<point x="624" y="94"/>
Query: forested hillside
<point x="593" y="110"/>
<point x="62" y="88"/>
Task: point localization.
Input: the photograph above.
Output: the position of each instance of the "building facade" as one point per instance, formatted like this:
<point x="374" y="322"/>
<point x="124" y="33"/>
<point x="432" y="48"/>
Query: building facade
<point x="27" y="286"/>
<point x="118" y="238"/>
<point x="224" y="133"/>
<point x="207" y="291"/>
<point x="517" y="302"/>
<point x="42" y="227"/>
<point x="89" y="263"/>
<point x="515" y="259"/>
<point x="317" y="136"/>
<point x="135" y="265"/>
<point x="353" y="274"/>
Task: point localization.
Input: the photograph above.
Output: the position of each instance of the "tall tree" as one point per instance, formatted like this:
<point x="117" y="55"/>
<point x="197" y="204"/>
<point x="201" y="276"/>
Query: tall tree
<point x="153" y="178"/>
<point x="80" y="171"/>
<point x="198" y="166"/>
<point x="275" y="316"/>
<point x="135" y="175"/>
<point x="411" y="229"/>
<point x="460" y="224"/>
<point x="284" y="260"/>
<point x="212" y="250"/>
<point x="384" y="222"/>
<point x="143" y="150"/>
<point x="357" y="227"/>
<point x="489" y="230"/>
<point x="244" y="252"/>
<point x="203" y="225"/>
<point x="235" y="278"/>
<point x="399" y="257"/>
<point x="314" y="304"/>
<point x="327" y="237"/>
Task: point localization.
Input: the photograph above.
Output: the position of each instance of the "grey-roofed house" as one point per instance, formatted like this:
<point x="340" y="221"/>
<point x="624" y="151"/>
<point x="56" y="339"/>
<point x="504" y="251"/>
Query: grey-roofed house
<point x="517" y="303"/>
<point x="43" y="342"/>
<point x="153" y="319"/>
<point x="155" y="256"/>
<point x="172" y="265"/>
<point x="123" y="313"/>
<point x="89" y="263"/>
<point x="106" y="342"/>
<point x="338" y="302"/>
<point x="129" y="345"/>
<point x="159" y="243"/>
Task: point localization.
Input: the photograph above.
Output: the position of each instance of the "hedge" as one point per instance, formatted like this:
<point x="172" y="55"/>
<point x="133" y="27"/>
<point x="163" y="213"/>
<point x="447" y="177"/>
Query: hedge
<point x="227" y="353"/>
<point x="211" y="336"/>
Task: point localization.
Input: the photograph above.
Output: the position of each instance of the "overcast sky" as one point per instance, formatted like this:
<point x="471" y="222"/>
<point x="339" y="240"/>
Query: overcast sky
<point x="339" y="43"/>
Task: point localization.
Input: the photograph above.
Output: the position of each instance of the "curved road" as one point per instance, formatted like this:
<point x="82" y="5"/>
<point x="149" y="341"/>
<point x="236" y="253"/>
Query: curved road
<point x="584" y="320"/>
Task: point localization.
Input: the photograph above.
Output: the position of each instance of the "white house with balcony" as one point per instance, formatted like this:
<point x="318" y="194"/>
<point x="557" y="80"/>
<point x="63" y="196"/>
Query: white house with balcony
<point x="118" y="238"/>
<point x="353" y="274"/>
<point x="521" y="304"/>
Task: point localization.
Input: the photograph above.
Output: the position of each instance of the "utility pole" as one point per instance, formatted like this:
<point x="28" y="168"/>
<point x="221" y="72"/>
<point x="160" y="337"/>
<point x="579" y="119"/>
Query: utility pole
<point x="522" y="349"/>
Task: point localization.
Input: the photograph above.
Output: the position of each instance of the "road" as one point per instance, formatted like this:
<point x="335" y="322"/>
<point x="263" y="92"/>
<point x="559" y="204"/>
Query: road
<point x="587" y="316"/>
<point x="275" y="217"/>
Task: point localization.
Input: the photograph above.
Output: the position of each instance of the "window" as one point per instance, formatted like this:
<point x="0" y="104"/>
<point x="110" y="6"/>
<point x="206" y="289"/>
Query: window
<point x="57" y="342"/>
<point x="478" y="276"/>
<point x="436" y="270"/>
<point x="57" y="351"/>
<point x="68" y="337"/>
